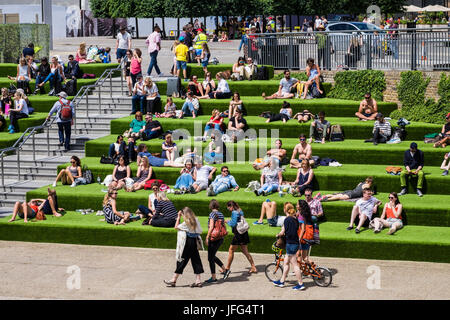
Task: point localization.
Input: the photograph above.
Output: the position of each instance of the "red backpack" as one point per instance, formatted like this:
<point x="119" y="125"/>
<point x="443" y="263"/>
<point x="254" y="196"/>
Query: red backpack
<point x="66" y="111"/>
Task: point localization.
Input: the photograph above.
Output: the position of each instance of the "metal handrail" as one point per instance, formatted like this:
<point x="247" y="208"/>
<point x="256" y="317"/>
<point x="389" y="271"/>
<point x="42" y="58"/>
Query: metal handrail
<point x="31" y="131"/>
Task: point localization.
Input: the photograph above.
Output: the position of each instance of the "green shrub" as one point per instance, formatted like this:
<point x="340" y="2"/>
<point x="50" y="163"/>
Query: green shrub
<point x="297" y="75"/>
<point x="411" y="93"/>
<point x="353" y="85"/>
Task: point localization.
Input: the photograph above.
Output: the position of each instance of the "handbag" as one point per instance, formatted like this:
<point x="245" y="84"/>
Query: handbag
<point x="219" y="231"/>
<point x="106" y="160"/>
<point x="242" y="226"/>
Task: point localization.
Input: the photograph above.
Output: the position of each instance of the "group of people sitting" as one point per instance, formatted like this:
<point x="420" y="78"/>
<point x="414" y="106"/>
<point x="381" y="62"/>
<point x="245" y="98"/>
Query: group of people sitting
<point x="16" y="106"/>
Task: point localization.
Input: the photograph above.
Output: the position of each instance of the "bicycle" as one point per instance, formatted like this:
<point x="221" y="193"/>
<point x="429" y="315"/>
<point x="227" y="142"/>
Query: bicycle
<point x="320" y="275"/>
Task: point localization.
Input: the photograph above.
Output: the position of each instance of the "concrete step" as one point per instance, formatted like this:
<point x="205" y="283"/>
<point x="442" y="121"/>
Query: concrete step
<point x="11" y="169"/>
<point x="24" y="185"/>
<point x="54" y="145"/>
<point x="47" y="175"/>
<point x="17" y="196"/>
<point x="78" y="153"/>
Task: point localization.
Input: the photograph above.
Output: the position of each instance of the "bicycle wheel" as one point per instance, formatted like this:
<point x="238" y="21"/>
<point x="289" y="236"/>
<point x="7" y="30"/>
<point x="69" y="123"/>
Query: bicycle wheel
<point x="322" y="277"/>
<point x="273" y="272"/>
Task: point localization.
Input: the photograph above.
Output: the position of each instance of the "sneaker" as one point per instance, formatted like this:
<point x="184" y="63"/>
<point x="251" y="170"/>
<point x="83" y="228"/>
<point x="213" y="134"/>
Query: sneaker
<point x="258" y="223"/>
<point x="299" y="287"/>
<point x="349" y="228"/>
<point x="211" y="280"/>
<point x="357" y="231"/>
<point x="419" y="193"/>
<point x="403" y="192"/>
<point x="445" y="173"/>
<point x="278" y="283"/>
<point x="11" y="131"/>
<point x="74" y="184"/>
<point x="256" y="192"/>
<point x="161" y="75"/>
<point x="226" y="274"/>
<point x="54" y="184"/>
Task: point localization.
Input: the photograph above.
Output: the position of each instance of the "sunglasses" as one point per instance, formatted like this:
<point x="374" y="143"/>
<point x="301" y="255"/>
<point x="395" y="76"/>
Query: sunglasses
<point x="72" y="161"/>
<point x="225" y="171"/>
<point x="302" y="139"/>
<point x="391" y="197"/>
<point x="113" y="193"/>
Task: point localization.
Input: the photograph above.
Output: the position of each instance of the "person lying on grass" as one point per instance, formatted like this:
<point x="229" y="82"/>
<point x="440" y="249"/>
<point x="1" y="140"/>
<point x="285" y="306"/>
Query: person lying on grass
<point x="357" y="192"/>
<point x="30" y="210"/>
<point x="110" y="209"/>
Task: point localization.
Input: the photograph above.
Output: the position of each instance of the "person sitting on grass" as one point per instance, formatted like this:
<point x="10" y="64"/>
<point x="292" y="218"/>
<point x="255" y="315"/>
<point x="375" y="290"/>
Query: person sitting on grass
<point x="186" y="180"/>
<point x="413" y="160"/>
<point x="118" y="148"/>
<point x="216" y="151"/>
<point x="144" y="173"/>
<point x="277" y="153"/>
<point x="391" y="217"/>
<point x="304" y="152"/>
<point x="121" y="176"/>
<point x="271" y="179"/>
<point x="144" y="211"/>
<point x="169" y="148"/>
<point x="72" y="174"/>
<point x="214" y="123"/>
<point x="139" y="96"/>
<point x="313" y="73"/>
<point x="29" y="210"/>
<point x="42" y="73"/>
<point x="194" y="86"/>
<point x="190" y="106"/>
<point x="23" y="76"/>
<point x="170" y="109"/>
<point x="56" y="75"/>
<point x="222" y="90"/>
<point x="284" y="115"/>
<point x="223" y="182"/>
<point x="250" y="69"/>
<point x="357" y="192"/>
<point x="368" y="108"/>
<point x="237" y="126"/>
<point x="235" y="104"/>
<point x="152" y="130"/>
<point x="381" y="130"/>
<point x="208" y="84"/>
<point x="303" y="181"/>
<point x="444" y="166"/>
<point x="136" y="125"/>
<point x="445" y="134"/>
<point x="238" y="69"/>
<point x="20" y="111"/>
<point x="202" y="175"/>
<point x="363" y="210"/>
<point x="165" y="214"/>
<point x="153" y="104"/>
<point x="319" y="129"/>
<point x="269" y="209"/>
<point x="286" y="86"/>
<point x="112" y="215"/>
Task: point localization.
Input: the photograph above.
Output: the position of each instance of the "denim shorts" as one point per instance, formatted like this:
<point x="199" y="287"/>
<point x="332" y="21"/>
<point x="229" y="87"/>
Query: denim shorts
<point x="291" y="248"/>
<point x="391" y="221"/>
<point x="304" y="246"/>
<point x="181" y="65"/>
<point x="121" y="53"/>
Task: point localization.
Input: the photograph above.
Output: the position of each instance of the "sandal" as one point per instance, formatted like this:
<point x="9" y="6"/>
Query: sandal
<point x="196" y="285"/>
<point x="169" y="283"/>
<point x="252" y="271"/>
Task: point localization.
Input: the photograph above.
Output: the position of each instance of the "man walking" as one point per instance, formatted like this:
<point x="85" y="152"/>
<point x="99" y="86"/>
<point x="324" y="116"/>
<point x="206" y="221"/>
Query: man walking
<point x="123" y="43"/>
<point x="64" y="115"/>
<point x="154" y="46"/>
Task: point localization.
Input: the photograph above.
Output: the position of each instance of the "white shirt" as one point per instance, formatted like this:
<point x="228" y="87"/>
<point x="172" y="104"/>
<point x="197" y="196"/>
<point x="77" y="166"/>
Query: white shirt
<point x="139" y="86"/>
<point x="203" y="173"/>
<point x="366" y="206"/>
<point x="123" y="40"/>
<point x="152" y="90"/>
<point x="318" y="22"/>
<point x="223" y="86"/>
<point x="24" y="104"/>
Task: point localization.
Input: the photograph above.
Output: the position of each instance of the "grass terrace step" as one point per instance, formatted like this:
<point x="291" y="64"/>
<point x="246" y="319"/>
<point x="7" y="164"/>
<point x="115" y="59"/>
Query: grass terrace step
<point x="345" y="152"/>
<point x="430" y="210"/>
<point x="10" y="69"/>
<point x="325" y="178"/>
<point x="353" y="129"/>
<point x="411" y="243"/>
<point x="195" y="69"/>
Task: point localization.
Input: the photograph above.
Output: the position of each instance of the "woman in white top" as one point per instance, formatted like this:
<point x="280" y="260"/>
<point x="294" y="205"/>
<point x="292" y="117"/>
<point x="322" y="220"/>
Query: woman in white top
<point x="19" y="112"/>
<point x="222" y="91"/>
<point x="153" y="97"/>
<point x="56" y="74"/>
<point x="23" y="75"/>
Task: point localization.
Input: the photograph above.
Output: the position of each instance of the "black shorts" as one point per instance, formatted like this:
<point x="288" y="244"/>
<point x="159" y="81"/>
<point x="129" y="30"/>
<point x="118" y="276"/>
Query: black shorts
<point x="240" y="239"/>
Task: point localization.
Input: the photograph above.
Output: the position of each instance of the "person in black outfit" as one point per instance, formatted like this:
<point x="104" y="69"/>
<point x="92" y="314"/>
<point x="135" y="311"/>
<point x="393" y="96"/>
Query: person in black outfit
<point x="237" y="126"/>
<point x="29" y="50"/>
<point x="72" y="70"/>
<point x="213" y="246"/>
<point x="42" y="73"/>
<point x="153" y="128"/>
<point x="413" y="161"/>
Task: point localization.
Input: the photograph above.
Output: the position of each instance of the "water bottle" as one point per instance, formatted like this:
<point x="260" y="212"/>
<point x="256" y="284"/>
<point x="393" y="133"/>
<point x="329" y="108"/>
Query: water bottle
<point x="99" y="181"/>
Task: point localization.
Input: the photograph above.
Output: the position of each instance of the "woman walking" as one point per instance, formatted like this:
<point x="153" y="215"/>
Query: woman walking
<point x="215" y="220"/>
<point x="188" y="239"/>
<point x="290" y="231"/>
<point x="241" y="240"/>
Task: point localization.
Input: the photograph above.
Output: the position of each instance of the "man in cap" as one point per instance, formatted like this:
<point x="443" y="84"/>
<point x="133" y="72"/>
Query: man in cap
<point x="65" y="112"/>
<point x="181" y="54"/>
<point x="413" y="160"/>
<point x="381" y="129"/>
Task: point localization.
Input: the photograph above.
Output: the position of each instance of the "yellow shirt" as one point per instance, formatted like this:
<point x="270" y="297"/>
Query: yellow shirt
<point x="181" y="52"/>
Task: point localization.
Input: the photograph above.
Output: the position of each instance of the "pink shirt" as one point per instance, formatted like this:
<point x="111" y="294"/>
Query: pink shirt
<point x="135" y="66"/>
<point x="152" y="41"/>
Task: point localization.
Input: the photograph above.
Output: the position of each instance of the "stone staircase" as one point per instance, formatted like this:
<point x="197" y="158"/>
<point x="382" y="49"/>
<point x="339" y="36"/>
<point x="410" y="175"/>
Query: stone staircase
<point x="39" y="170"/>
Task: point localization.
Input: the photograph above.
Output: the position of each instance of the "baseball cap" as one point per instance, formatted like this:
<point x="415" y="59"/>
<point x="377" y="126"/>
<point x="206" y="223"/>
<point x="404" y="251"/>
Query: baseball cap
<point x="199" y="29"/>
<point x="62" y="94"/>
<point x="181" y="38"/>
<point x="413" y="145"/>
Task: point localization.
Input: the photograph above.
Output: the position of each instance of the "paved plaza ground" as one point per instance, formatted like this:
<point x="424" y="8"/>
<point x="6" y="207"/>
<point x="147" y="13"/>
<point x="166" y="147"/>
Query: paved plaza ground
<point x="43" y="271"/>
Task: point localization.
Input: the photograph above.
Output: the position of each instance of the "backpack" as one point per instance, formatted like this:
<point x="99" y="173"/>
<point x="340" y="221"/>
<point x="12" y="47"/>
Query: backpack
<point x="65" y="114"/>
<point x="262" y="73"/>
<point x="336" y="133"/>
<point x="315" y="92"/>
<point x="87" y="175"/>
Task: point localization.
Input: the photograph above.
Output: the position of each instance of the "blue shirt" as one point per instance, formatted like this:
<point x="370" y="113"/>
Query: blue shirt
<point x="234" y="218"/>
<point x="228" y="180"/>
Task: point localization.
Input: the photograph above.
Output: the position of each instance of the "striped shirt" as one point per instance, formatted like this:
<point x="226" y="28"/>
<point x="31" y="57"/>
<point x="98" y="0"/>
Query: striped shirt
<point x="167" y="209"/>
<point x="215" y="215"/>
<point x="385" y="127"/>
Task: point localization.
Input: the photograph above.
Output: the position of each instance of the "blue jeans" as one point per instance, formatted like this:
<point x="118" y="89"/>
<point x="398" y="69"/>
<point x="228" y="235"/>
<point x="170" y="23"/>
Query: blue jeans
<point x="184" y="181"/>
<point x="188" y="109"/>
<point x="151" y="134"/>
<point x="51" y="77"/>
<point x="145" y="210"/>
<point x="209" y="127"/>
<point x="64" y="128"/>
<point x="39" y="79"/>
<point x="153" y="63"/>
<point x="268" y="188"/>
<point x="394" y="48"/>
<point x="134" y="102"/>
<point x="219" y="188"/>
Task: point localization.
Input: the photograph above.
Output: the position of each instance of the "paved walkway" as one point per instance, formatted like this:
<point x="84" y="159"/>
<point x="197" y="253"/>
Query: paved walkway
<point x="225" y="52"/>
<point x="40" y="271"/>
